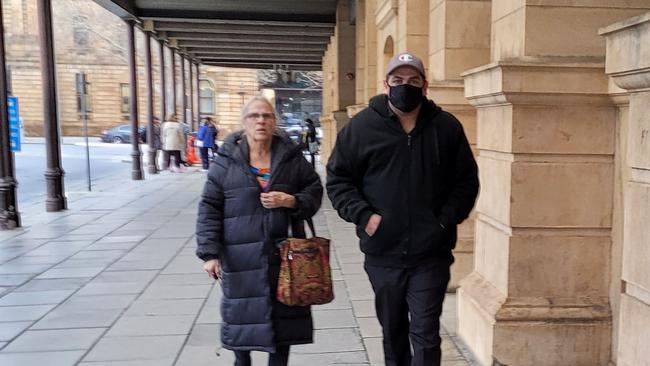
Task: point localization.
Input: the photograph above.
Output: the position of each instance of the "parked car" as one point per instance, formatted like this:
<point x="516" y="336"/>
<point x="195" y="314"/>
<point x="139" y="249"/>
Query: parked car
<point x="120" y="134"/>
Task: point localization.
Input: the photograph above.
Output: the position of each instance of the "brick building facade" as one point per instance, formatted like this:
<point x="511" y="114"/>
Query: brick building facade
<point x="90" y="39"/>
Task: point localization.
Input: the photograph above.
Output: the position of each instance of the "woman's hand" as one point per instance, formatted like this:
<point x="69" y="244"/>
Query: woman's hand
<point x="277" y="199"/>
<point x="213" y="268"/>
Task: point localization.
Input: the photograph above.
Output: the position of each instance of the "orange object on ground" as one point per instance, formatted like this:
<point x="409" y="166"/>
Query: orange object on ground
<point x="190" y="151"/>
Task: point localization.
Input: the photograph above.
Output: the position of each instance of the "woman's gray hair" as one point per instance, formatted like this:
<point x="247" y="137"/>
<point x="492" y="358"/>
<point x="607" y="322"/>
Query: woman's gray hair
<point x="257" y="98"/>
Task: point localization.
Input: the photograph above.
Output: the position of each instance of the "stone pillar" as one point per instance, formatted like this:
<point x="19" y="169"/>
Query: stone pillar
<point x="539" y="293"/>
<point x="370" y="56"/>
<point x="627" y="62"/>
<point x="413" y="28"/>
<point x="454" y="48"/>
<point x="338" y="90"/>
<point x="386" y="35"/>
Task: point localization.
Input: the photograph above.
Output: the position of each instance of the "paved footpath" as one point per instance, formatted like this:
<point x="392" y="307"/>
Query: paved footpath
<point x="114" y="281"/>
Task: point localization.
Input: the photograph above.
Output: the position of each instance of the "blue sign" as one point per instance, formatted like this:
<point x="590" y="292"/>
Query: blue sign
<point x="14" y="123"/>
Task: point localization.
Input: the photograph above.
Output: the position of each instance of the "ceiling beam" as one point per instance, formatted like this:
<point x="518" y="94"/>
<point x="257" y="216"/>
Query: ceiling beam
<point x="300" y="24"/>
<point x="243" y="28"/>
<point x="257" y="65"/>
<point x="247" y="38"/>
<point x="124" y="9"/>
<point x="212" y="51"/>
<point x="191" y="45"/>
<point x="276" y="16"/>
<point x="264" y="58"/>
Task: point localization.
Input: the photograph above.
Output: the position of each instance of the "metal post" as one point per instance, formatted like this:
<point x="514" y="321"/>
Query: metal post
<point x="151" y="161"/>
<point x="198" y="95"/>
<point x="82" y="92"/>
<point x="56" y="200"/>
<point x="136" y="154"/>
<point x="163" y="96"/>
<point x="9" y="216"/>
<point x="183" y="94"/>
<point x="173" y="65"/>
<point x="191" y="80"/>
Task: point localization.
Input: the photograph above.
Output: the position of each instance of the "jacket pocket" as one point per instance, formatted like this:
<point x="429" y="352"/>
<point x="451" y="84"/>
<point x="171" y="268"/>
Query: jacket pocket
<point x="430" y="236"/>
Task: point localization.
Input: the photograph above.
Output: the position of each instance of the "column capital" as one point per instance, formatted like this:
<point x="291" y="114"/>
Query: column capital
<point x="628" y="51"/>
<point x="538" y="80"/>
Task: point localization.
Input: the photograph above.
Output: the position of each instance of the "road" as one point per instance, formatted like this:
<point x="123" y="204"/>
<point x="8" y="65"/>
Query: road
<point x="105" y="160"/>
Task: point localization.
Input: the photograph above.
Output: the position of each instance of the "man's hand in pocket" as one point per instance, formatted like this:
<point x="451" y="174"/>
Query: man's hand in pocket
<point x="373" y="224"/>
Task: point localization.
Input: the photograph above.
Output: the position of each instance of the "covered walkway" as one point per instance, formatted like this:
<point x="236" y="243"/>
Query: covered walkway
<point x="115" y="282"/>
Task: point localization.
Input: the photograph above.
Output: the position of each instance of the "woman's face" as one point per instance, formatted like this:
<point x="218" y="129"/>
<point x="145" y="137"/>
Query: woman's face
<point x="259" y="122"/>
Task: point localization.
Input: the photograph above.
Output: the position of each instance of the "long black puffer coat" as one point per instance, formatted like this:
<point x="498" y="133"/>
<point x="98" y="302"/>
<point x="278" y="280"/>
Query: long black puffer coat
<point x="234" y="227"/>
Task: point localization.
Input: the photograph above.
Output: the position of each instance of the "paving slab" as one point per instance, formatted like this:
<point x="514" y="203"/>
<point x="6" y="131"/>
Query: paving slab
<point x="61" y="358"/>
<point x="55" y="340"/>
<point x="9" y="330"/>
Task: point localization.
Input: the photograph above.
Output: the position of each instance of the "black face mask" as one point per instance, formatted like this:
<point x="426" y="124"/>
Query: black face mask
<point x="405" y="97"/>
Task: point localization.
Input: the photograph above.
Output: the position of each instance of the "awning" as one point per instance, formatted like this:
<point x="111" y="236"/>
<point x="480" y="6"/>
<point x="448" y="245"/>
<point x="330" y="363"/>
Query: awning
<point x="238" y="33"/>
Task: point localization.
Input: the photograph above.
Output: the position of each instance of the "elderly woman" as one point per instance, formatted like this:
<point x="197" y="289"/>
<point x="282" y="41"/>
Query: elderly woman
<point x="258" y="187"/>
<point x="173" y="142"/>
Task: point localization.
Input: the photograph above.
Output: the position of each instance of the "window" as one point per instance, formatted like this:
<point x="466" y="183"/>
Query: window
<point x="206" y="97"/>
<point x="80" y="31"/>
<point x="125" y="98"/>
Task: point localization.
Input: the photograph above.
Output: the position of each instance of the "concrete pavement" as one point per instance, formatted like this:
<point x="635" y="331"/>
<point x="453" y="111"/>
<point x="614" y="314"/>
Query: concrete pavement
<point x="114" y="281"/>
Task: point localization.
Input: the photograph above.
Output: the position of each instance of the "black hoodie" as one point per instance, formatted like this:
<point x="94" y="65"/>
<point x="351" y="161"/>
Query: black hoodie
<point x="422" y="184"/>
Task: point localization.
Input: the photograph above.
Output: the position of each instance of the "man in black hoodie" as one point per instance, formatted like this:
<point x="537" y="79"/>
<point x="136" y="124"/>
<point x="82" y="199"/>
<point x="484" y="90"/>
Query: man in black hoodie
<point x="403" y="172"/>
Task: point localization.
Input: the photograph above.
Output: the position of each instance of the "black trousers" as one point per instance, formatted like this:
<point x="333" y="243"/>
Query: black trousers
<point x="279" y="358"/>
<point x="205" y="156"/>
<point x="177" y="157"/>
<point x="419" y="292"/>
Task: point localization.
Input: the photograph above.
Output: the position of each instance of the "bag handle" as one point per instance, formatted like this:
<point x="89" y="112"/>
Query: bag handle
<point x="310" y="224"/>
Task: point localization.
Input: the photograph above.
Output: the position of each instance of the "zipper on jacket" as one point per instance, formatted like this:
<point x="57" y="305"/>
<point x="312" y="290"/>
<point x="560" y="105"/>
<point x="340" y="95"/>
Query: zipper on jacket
<point x="409" y="200"/>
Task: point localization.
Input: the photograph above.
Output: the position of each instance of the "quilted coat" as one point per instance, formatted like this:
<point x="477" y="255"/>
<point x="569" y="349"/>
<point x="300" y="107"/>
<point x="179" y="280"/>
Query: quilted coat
<point x="234" y="227"/>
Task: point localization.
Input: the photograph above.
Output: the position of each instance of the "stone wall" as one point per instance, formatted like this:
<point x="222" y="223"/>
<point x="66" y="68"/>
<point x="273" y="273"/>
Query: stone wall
<point x="559" y="248"/>
<point x="628" y="63"/>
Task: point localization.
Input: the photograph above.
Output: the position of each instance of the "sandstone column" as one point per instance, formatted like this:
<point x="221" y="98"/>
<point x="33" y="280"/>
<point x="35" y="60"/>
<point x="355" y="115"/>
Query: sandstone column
<point x="628" y="63"/>
<point x="454" y="48"/>
<point x="338" y="89"/>
<point x="539" y="293"/>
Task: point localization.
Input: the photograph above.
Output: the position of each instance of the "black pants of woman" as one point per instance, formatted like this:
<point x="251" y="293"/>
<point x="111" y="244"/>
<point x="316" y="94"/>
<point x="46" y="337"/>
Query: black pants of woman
<point x="279" y="358"/>
<point x="177" y="157"/>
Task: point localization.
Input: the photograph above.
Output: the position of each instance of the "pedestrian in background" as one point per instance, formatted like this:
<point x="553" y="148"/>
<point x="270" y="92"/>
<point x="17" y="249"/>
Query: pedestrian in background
<point x="155" y="140"/>
<point x="173" y="142"/>
<point x="259" y="186"/>
<point x="402" y="170"/>
<point x="310" y="140"/>
<point x="206" y="139"/>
